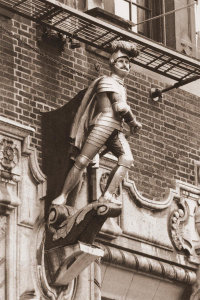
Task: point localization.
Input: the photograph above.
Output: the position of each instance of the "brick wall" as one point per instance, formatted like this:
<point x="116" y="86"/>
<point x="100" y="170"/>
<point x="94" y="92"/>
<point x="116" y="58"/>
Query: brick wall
<point x="31" y="83"/>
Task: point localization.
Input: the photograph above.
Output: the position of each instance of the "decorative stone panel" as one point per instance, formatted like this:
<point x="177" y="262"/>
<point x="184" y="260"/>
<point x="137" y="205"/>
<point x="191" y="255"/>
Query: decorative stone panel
<point x="157" y="243"/>
<point x="22" y="187"/>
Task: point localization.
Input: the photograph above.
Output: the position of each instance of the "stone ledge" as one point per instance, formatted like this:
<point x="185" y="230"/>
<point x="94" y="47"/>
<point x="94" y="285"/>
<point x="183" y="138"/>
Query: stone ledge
<point x="14" y="128"/>
<point x="133" y="261"/>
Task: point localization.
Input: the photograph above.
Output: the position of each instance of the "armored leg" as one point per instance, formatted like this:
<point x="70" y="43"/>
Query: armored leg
<point x="93" y="144"/>
<point x="75" y="174"/>
<point x="73" y="177"/>
<point x="116" y="177"/>
<point x="121" y="149"/>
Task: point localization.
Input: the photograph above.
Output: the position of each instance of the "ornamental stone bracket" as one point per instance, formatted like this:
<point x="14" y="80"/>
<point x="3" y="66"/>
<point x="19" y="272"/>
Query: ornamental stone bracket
<point x="64" y="246"/>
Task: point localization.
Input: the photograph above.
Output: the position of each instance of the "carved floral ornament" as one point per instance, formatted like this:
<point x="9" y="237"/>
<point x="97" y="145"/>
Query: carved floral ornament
<point x="9" y="154"/>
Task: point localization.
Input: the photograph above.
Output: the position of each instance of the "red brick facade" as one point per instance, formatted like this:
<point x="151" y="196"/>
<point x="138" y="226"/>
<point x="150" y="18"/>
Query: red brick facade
<point x="31" y="83"/>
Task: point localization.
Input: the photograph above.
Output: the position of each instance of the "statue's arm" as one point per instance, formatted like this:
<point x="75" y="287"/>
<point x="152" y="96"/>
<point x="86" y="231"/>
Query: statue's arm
<point x="124" y="110"/>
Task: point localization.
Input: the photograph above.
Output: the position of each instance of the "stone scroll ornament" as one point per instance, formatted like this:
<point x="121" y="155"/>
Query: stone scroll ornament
<point x="184" y="226"/>
<point x="71" y="228"/>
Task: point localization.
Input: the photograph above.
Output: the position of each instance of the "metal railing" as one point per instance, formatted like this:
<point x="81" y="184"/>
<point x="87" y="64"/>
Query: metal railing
<point x="99" y="34"/>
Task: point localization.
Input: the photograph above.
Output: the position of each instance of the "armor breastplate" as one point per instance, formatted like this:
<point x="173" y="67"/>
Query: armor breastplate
<point x="105" y="114"/>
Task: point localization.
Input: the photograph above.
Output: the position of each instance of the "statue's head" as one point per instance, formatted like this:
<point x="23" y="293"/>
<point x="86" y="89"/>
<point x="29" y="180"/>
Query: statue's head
<point x="122" y="52"/>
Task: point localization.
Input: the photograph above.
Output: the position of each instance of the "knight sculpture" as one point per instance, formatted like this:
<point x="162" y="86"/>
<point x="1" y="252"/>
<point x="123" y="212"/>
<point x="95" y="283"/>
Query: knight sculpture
<point x="100" y="121"/>
<point x="97" y="127"/>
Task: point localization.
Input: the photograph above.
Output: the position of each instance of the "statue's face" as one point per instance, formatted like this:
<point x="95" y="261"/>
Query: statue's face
<point x="121" y="67"/>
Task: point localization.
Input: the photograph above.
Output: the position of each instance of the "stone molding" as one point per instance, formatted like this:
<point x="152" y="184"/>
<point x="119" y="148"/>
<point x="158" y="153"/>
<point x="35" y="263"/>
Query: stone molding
<point x="14" y="128"/>
<point x="151" y="266"/>
<point x="163" y="203"/>
<point x="145" y="202"/>
<point x="37" y="173"/>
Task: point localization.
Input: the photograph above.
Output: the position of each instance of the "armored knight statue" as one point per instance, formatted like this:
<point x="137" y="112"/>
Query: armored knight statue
<point x="99" y="122"/>
<point x="97" y="127"/>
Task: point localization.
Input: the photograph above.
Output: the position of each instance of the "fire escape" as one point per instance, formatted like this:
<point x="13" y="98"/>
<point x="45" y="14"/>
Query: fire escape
<point x="98" y="34"/>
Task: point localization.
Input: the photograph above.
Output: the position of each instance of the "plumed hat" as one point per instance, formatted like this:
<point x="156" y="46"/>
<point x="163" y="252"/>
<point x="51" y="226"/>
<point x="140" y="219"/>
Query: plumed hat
<point x="121" y="49"/>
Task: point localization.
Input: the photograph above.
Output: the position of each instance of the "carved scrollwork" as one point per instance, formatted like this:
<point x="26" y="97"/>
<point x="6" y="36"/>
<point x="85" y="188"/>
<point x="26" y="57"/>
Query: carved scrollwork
<point x="65" y="247"/>
<point x="183" y="225"/>
<point x="177" y="217"/>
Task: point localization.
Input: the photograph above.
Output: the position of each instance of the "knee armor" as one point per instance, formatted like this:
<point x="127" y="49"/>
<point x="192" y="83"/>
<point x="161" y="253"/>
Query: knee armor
<point x="81" y="162"/>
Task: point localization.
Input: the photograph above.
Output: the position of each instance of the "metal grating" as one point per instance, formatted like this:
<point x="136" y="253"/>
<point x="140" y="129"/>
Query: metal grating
<point x="99" y="34"/>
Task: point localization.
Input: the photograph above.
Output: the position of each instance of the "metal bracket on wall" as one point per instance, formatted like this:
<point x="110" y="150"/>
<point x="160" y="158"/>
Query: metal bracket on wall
<point x="156" y="94"/>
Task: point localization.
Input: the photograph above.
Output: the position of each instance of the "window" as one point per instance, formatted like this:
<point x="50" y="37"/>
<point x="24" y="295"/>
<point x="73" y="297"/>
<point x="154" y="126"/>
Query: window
<point x="169" y="28"/>
<point x="159" y="20"/>
<point x="137" y="11"/>
<point x="134" y="11"/>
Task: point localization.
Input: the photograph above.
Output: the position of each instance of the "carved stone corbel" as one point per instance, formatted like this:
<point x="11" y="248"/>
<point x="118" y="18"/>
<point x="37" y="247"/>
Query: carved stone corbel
<point x="65" y="248"/>
<point x="70" y="234"/>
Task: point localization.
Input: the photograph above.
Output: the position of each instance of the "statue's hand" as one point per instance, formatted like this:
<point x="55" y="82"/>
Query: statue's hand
<point x="136" y="127"/>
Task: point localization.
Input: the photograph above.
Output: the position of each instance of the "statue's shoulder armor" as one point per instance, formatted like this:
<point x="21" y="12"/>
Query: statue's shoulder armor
<point x="107" y="84"/>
